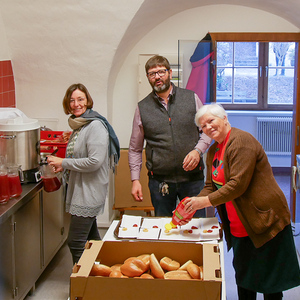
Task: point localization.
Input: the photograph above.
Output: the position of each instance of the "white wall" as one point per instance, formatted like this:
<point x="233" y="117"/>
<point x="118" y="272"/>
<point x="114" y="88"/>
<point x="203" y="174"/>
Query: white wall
<point x="4" y="51"/>
<point x="53" y="44"/>
<point x="191" y="24"/>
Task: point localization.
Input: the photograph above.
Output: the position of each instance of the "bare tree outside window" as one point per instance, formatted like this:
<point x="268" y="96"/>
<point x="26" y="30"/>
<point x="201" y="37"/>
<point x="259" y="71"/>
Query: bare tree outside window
<point x="256" y="74"/>
<point x="281" y="73"/>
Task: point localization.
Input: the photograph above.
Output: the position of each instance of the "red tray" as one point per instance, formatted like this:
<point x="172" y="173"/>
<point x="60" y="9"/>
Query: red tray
<point x="50" y="141"/>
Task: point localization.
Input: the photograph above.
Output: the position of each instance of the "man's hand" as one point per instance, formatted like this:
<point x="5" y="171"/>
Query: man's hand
<point x="136" y="190"/>
<point x="191" y="161"/>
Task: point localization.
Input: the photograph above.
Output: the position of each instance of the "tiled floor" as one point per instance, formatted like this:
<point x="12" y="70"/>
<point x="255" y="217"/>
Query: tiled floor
<point x="54" y="282"/>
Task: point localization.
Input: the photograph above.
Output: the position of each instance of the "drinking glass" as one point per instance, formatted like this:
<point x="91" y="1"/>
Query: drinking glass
<point x="14" y="180"/>
<point x="4" y="185"/>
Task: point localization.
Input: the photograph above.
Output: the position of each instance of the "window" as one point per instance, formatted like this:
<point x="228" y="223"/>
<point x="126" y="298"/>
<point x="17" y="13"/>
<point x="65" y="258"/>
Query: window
<point x="255" y="75"/>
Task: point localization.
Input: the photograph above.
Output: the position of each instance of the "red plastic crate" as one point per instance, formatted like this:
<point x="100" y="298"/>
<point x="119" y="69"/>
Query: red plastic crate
<point x="52" y="140"/>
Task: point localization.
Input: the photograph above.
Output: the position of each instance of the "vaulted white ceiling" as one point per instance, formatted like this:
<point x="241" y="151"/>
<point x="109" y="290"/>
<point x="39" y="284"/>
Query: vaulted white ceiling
<point x="53" y="43"/>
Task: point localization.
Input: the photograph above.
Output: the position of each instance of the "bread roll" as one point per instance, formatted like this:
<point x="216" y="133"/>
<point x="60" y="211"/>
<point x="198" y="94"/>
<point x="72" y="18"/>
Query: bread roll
<point x="146" y="259"/>
<point x="116" y="267"/>
<point x="194" y="271"/>
<point x="178" y="274"/>
<point x="155" y="267"/>
<point x="184" y="266"/>
<point x="116" y="273"/>
<point x="201" y="272"/>
<point x="146" y="275"/>
<point x="168" y="264"/>
<point x="100" y="270"/>
<point x="133" y="267"/>
<point x="129" y="259"/>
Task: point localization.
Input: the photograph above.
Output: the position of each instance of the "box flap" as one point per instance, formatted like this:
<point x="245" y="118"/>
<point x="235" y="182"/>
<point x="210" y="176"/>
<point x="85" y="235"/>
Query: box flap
<point x="81" y="271"/>
<point x="211" y="262"/>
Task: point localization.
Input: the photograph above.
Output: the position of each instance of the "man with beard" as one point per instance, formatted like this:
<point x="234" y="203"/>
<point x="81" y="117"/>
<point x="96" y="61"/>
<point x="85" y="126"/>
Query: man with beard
<point x="174" y="144"/>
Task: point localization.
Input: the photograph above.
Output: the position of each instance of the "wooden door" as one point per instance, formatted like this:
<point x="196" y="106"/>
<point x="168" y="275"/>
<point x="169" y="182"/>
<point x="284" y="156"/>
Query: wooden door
<point x="296" y="130"/>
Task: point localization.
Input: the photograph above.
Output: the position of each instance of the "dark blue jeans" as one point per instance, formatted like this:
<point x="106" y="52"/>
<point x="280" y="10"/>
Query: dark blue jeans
<point x="165" y="205"/>
<point x="82" y="229"/>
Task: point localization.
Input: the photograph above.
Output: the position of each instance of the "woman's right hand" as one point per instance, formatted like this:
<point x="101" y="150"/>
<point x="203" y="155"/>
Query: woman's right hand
<point x="55" y="162"/>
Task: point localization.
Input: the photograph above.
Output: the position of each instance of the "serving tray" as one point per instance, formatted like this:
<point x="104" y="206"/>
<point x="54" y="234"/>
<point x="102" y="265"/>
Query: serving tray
<point x="153" y="228"/>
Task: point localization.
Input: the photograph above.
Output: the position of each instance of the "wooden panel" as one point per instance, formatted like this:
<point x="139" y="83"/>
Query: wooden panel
<point x="255" y="36"/>
<point x="296" y="131"/>
<point x="123" y="197"/>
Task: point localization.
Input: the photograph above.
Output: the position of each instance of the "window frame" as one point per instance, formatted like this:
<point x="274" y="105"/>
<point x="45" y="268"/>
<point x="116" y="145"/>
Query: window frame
<point x="259" y="37"/>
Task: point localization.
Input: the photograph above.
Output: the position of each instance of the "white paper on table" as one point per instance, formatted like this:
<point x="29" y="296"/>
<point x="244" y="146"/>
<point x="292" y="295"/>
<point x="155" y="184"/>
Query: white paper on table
<point x="129" y="227"/>
<point x="152" y="223"/>
<point x="210" y="229"/>
<point x="195" y="223"/>
<point x="195" y="230"/>
<point x="179" y="234"/>
<point x="131" y="221"/>
<point x="128" y="232"/>
<point x="198" y="229"/>
<point x="208" y="223"/>
<point x="149" y="233"/>
<point x="183" y="233"/>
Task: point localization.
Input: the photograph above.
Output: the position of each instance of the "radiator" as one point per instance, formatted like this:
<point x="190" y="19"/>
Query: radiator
<point x="275" y="134"/>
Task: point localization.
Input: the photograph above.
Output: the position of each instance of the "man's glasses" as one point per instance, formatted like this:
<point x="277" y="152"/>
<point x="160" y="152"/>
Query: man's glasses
<point x="160" y="73"/>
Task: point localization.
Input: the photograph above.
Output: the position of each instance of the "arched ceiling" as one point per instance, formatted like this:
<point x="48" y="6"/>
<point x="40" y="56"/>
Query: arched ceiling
<point x="153" y="12"/>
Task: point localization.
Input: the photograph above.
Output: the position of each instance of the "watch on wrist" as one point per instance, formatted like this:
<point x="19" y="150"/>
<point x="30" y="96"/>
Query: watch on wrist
<point x="200" y="153"/>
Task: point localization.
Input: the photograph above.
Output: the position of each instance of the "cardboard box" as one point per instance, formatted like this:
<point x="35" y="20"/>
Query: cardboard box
<point x="123" y="197"/>
<point x="85" y="287"/>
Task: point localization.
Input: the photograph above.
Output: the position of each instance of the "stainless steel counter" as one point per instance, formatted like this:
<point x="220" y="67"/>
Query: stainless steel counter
<point x="14" y="204"/>
<point x="32" y="229"/>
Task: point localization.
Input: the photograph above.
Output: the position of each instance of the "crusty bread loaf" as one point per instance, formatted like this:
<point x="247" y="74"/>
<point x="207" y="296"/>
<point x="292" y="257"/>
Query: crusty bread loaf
<point x="169" y="264"/>
<point x="100" y="270"/>
<point x="155" y="267"/>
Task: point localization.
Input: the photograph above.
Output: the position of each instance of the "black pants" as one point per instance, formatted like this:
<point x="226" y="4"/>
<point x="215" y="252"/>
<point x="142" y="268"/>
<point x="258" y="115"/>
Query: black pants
<point x="82" y="229"/>
<point x="251" y="295"/>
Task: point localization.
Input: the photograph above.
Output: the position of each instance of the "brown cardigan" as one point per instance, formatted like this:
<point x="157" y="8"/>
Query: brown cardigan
<point x="252" y="188"/>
